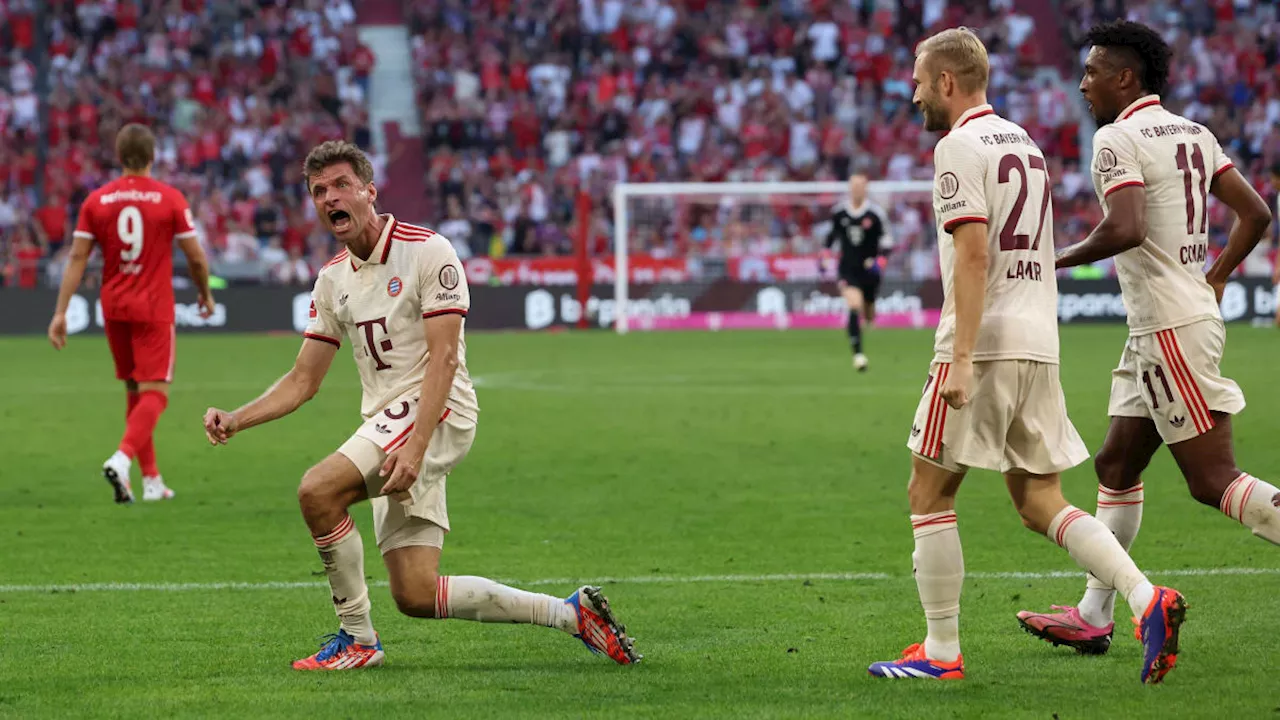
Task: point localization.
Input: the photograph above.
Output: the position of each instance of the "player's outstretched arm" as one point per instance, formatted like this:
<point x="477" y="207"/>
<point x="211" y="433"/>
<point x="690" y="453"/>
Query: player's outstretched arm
<point x="198" y="267"/>
<point x="288" y="393"/>
<point x="81" y="247"/>
<point x="1252" y="219"/>
<point x="401" y="467"/>
<point x="1123" y="228"/>
<point x="969" y="284"/>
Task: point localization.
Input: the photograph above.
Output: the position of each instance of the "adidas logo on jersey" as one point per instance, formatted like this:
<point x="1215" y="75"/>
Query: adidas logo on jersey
<point x="382" y="429"/>
<point x="1177" y="421"/>
<point x="915" y="430"/>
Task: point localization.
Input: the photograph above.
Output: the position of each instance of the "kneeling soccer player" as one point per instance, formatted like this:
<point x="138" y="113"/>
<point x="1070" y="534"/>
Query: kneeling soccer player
<point x="398" y="294"/>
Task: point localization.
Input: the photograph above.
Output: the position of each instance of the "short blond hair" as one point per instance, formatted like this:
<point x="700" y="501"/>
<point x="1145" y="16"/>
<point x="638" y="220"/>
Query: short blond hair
<point x="959" y="51"/>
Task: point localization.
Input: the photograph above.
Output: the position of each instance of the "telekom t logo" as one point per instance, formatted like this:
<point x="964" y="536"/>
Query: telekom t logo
<point x="384" y="345"/>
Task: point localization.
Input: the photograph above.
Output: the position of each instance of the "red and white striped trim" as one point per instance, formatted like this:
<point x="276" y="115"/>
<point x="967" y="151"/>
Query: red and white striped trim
<point x="342" y="255"/>
<point x="1061" y="534"/>
<point x="941" y="518"/>
<point x="344" y="528"/>
<point x="323" y="338"/>
<point x="1121" y="186"/>
<point x="83" y="234"/>
<point x="446" y="311"/>
<point x="412" y="233"/>
<point x="1222" y="169"/>
<point x="403" y="437"/>
<point x="442" y="597"/>
<point x="1185" y="380"/>
<point x="981" y="113"/>
<point x="954" y="223"/>
<point x="1119" y="498"/>
<point x="931" y="447"/>
<point x="185" y="235"/>
<point x="1227" y="505"/>
<point x="1153" y="102"/>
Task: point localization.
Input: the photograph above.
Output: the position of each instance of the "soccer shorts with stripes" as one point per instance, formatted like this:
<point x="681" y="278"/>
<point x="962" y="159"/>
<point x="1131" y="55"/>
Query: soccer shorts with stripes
<point x="1015" y="420"/>
<point x="1173" y="378"/>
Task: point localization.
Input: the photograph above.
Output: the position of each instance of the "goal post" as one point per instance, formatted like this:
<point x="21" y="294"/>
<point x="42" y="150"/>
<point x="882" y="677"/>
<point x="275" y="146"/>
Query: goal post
<point x="727" y="231"/>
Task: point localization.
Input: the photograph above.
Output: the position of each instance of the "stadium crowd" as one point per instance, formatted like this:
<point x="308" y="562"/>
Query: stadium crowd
<point x="523" y="104"/>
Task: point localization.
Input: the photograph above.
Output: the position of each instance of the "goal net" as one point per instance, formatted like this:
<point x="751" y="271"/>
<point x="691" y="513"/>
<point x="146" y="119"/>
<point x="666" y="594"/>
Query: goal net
<point x="712" y="256"/>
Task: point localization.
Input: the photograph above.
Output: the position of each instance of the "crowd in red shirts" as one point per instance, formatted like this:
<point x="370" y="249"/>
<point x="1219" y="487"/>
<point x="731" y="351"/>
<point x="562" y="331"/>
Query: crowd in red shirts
<point x="523" y="103"/>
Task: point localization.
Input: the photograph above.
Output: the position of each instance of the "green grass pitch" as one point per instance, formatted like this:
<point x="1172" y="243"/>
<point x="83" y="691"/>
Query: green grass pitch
<point x="717" y="478"/>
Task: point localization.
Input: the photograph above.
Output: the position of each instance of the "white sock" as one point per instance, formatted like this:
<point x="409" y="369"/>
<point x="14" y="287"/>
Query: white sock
<point x="467" y="597"/>
<point x="1093" y="546"/>
<point x="1254" y="504"/>
<point x="342" y="552"/>
<point x="1121" y="512"/>
<point x="938" y="565"/>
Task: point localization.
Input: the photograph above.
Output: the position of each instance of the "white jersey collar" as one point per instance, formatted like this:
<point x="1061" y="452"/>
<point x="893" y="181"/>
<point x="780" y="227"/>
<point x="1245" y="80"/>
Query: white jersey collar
<point x="381" y="249"/>
<point x="1143" y="102"/>
<point x="971" y="113"/>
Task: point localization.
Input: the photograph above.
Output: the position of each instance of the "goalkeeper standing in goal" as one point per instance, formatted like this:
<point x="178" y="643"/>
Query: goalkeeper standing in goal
<point x="860" y="228"/>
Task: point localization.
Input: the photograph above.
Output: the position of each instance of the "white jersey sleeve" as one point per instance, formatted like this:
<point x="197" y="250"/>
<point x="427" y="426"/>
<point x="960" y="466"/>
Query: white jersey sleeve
<point x="323" y="324"/>
<point x="960" y="180"/>
<point x="443" y="285"/>
<point x="1115" y="162"/>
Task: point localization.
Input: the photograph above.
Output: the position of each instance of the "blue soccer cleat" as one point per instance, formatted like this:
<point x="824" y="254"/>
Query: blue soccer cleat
<point x="1158" y="631"/>
<point x="913" y="665"/>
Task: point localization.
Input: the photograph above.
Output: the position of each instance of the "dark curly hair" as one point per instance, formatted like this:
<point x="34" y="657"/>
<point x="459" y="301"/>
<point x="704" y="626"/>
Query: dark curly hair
<point x="1149" y="53"/>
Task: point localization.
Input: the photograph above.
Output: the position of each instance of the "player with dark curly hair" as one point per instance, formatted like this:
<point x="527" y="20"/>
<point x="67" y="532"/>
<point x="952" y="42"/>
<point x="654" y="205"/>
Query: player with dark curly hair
<point x="1153" y="172"/>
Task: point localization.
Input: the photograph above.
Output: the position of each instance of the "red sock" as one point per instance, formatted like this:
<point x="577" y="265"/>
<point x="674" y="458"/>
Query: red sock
<point x="142" y="422"/>
<point x="147" y="458"/>
<point x="146" y="453"/>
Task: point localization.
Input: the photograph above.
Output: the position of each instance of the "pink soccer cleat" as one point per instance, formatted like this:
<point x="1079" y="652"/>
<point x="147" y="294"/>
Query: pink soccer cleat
<point x="1066" y="627"/>
<point x="342" y="652"/>
<point x="599" y="630"/>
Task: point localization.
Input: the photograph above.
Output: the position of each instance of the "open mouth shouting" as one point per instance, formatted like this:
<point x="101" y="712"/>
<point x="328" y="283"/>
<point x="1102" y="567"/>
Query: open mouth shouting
<point x="340" y="221"/>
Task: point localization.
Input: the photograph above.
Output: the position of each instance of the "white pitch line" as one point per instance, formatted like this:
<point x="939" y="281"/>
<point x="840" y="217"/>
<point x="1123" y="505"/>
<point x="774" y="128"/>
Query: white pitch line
<point x="638" y="580"/>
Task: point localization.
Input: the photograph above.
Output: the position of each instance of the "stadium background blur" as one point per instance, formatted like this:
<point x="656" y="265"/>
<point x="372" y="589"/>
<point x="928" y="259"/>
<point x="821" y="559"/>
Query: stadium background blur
<point x="486" y="118"/>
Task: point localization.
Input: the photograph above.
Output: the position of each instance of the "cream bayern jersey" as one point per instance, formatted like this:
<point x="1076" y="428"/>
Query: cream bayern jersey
<point x="988" y="169"/>
<point x="379" y="305"/>
<point x="1162" y="280"/>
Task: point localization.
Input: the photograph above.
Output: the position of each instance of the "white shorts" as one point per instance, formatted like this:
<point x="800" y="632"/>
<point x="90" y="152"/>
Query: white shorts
<point x="419" y="516"/>
<point x="1016" y="419"/>
<point x="1173" y="378"/>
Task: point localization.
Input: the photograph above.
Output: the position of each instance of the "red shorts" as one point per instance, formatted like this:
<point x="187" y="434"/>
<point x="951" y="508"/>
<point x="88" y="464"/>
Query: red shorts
<point x="144" y="352"/>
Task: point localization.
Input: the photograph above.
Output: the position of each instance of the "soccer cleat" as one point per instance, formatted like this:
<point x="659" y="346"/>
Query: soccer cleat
<point x="913" y="665"/>
<point x="860" y="362"/>
<point x="1066" y="627"/>
<point x="598" y="629"/>
<point x="342" y="652"/>
<point x="1158" y="631"/>
<point x="153" y="488"/>
<point x="116" y="472"/>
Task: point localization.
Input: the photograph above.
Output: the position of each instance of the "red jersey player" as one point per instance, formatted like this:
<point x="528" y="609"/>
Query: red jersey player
<point x="135" y="220"/>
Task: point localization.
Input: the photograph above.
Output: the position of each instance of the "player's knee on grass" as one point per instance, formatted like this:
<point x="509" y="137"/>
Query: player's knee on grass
<point x="414" y="574"/>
